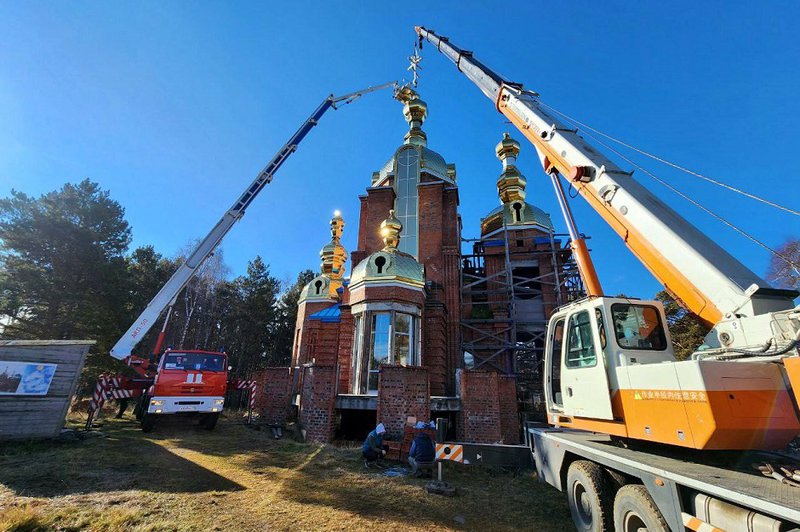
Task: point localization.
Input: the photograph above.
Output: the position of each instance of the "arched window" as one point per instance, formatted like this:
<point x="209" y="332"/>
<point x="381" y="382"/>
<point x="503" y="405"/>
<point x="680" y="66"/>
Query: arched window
<point x="380" y="262"/>
<point x="517" y="212"/>
<point x="318" y="286"/>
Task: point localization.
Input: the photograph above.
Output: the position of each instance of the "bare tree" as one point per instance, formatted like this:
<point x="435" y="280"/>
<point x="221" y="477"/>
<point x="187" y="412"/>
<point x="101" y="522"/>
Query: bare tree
<point x="785" y="271"/>
<point x="199" y="295"/>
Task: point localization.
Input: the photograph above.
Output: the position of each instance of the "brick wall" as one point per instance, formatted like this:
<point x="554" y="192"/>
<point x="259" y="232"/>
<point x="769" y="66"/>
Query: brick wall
<point x="402" y="392"/>
<point x="273" y="395"/>
<point x="317" y="402"/>
<point x="434" y="346"/>
<point x="507" y="401"/>
<point x="344" y="359"/>
<point x="479" y="419"/>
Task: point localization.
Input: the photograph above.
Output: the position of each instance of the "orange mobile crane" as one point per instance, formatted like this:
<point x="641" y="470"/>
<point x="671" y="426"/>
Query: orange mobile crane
<point x="610" y="367"/>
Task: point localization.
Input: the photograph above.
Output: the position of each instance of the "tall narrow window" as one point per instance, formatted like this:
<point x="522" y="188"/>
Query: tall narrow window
<point x="407" y="200"/>
<point x="379" y="348"/>
<point x="580" y="346"/>
<point x="358" y="342"/>
<point x="403" y="338"/>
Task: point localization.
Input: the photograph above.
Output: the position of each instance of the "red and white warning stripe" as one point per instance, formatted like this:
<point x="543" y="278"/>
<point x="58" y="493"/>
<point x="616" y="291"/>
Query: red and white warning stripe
<point x="244" y="384"/>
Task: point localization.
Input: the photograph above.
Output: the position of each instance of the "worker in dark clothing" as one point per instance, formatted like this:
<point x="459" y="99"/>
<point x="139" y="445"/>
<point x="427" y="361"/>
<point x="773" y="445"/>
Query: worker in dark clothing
<point x="373" y="448"/>
<point x="123" y="406"/>
<point x="422" y="450"/>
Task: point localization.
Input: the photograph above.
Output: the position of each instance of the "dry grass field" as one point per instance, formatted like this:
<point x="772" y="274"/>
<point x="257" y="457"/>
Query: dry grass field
<point x="235" y="478"/>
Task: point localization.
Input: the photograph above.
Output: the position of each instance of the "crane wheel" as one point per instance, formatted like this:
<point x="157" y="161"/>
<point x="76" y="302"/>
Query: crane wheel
<point x="209" y="421"/>
<point x="635" y="510"/>
<point x="590" y="496"/>
<point x="148" y="422"/>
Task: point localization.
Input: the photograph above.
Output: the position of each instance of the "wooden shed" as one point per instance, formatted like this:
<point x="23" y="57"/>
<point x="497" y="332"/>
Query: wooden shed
<point x="37" y="381"/>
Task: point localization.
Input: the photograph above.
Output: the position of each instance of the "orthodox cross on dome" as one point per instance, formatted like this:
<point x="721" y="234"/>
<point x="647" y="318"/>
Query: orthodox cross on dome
<point x="414" y="65"/>
<point x="390" y="232"/>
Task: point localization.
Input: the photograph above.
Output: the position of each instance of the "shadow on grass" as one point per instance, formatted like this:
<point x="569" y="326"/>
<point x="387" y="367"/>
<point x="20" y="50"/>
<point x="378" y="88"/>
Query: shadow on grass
<point x="124" y="460"/>
<point x="337" y="479"/>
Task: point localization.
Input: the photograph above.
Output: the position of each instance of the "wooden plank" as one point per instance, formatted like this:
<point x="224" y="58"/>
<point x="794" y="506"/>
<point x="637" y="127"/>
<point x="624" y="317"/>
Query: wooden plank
<point x="28" y="416"/>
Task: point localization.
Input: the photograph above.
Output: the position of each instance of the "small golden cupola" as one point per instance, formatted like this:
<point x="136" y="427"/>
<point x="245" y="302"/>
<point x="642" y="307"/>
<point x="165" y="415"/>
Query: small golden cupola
<point x="415" y="111"/>
<point x="390" y="233"/>
<point x="389" y="264"/>
<point x="333" y="255"/>
<point x="511" y="183"/>
<point x="514" y="212"/>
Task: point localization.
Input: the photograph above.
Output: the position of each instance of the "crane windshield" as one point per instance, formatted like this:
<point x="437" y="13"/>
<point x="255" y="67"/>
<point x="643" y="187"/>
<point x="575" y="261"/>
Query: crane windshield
<point x="195" y="361"/>
<point x="638" y="327"/>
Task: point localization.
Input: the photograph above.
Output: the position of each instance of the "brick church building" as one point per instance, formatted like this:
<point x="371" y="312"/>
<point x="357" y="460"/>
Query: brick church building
<point x="387" y="343"/>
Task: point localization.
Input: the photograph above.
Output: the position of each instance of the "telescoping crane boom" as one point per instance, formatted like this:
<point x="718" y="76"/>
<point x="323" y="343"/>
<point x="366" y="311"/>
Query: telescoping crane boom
<point x="609" y="362"/>
<point x="192" y="381"/>
<point x="125" y="345"/>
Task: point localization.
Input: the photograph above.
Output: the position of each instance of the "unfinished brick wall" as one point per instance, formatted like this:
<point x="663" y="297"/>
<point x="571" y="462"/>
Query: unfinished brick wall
<point x="479" y="419"/>
<point x="345" y="356"/>
<point x="317" y="402"/>
<point x="273" y="395"/>
<point x="402" y="392"/>
<point x="434" y="346"/>
<point x="507" y="402"/>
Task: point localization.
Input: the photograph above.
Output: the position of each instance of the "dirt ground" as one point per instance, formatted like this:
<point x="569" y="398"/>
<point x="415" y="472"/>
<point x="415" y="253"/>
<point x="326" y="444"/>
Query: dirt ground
<point x="181" y="477"/>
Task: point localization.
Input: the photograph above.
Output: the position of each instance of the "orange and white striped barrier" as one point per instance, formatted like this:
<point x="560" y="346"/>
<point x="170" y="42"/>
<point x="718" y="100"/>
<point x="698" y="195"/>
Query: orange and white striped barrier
<point x="693" y="523"/>
<point x="448" y="451"/>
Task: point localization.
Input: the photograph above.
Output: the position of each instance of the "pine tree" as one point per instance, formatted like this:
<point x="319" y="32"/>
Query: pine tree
<point x="686" y="329"/>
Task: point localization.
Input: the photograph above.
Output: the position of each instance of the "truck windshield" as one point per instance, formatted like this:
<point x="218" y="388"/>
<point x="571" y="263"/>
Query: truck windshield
<point x="638" y="327"/>
<point x="195" y="361"/>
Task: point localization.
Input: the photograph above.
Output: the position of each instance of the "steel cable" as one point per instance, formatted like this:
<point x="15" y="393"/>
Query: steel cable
<point x="673" y="165"/>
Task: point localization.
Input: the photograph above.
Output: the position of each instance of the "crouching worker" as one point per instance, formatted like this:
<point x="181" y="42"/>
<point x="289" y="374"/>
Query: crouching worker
<point x="422" y="453"/>
<point x="373" y="448"/>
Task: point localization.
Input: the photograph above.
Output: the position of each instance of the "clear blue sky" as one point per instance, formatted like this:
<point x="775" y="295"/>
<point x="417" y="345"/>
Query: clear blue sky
<point x="175" y="106"/>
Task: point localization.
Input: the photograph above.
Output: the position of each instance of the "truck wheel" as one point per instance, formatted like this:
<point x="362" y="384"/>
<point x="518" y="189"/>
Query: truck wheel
<point x="590" y="496"/>
<point x="635" y="510"/>
<point x="148" y="422"/>
<point x="141" y="407"/>
<point x="209" y="421"/>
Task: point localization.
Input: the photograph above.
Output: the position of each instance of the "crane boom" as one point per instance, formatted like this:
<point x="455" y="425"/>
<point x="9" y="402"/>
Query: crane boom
<point x="707" y="279"/>
<point x="124" y="346"/>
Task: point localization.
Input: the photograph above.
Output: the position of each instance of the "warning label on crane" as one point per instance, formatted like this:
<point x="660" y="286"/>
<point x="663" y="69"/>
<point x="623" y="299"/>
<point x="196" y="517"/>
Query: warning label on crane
<point x="446" y="451"/>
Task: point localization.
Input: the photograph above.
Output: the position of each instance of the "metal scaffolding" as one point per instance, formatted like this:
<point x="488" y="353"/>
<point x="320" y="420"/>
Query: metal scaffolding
<point x="505" y="306"/>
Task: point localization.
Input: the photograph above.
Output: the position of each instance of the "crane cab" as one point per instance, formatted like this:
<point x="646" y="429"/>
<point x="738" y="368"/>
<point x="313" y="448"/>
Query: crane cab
<point x="587" y="340"/>
<point x="610" y="367"/>
<point x="188" y="382"/>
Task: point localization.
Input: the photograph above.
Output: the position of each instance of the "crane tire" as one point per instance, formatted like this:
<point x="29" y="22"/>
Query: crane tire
<point x="635" y="510"/>
<point x="590" y="496"/>
<point x="148" y="422"/>
<point x="209" y="421"/>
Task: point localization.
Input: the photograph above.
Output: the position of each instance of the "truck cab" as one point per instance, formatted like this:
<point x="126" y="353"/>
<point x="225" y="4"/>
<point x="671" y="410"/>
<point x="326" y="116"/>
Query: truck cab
<point x="188" y="382"/>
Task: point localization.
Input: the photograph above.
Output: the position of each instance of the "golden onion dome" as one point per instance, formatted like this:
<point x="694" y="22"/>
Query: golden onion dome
<point x="506" y="147"/>
<point x="390" y="232"/>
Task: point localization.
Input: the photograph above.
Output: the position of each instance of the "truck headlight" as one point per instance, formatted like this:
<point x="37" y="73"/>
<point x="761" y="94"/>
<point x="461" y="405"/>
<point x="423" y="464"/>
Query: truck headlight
<point x="156" y="402"/>
<point x="219" y="401"/>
